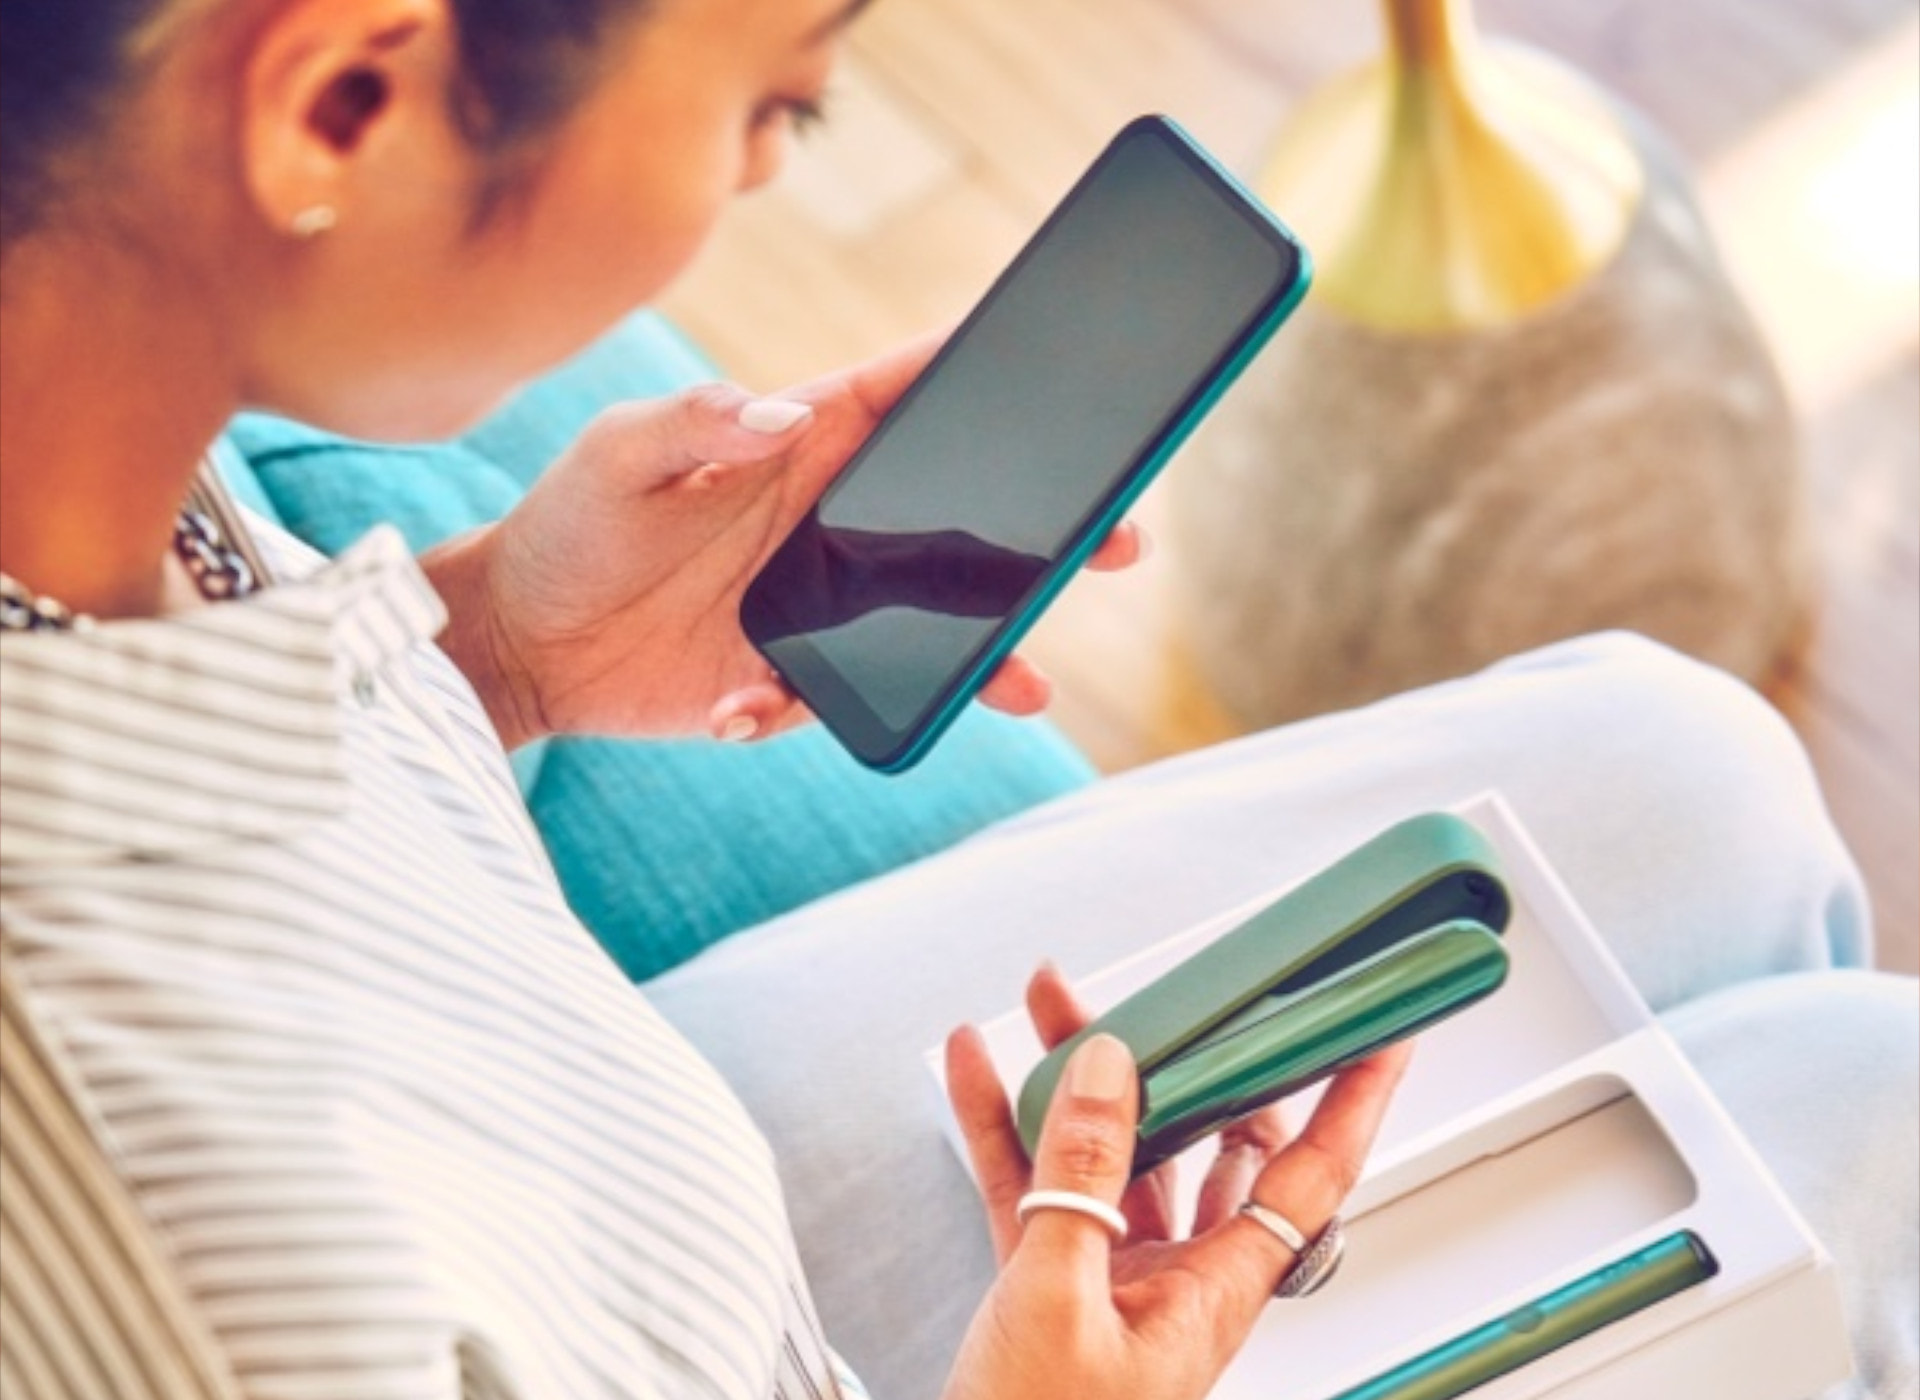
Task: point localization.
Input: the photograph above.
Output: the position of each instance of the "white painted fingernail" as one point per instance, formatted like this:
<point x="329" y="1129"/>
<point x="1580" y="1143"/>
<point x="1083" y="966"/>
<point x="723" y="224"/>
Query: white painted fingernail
<point x="1101" y="1069"/>
<point x="771" y="416"/>
<point x="739" y="729"/>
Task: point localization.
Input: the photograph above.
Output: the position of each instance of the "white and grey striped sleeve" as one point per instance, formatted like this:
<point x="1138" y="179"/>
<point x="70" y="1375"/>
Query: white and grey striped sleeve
<point x="315" y="1087"/>
<point x="90" y="1307"/>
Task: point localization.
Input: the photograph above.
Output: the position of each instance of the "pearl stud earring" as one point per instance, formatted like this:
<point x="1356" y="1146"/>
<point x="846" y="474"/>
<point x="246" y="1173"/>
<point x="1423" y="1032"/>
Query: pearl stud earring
<point x="310" y="223"/>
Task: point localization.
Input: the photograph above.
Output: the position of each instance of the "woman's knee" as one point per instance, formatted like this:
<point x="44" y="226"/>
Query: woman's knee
<point x="1713" y="802"/>
<point x="1708" y="722"/>
<point x="1823" y="1069"/>
<point x="1822" y="1072"/>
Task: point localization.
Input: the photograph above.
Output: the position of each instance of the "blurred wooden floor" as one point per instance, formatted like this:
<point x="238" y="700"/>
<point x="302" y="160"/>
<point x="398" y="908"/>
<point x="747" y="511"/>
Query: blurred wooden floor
<point x="957" y="123"/>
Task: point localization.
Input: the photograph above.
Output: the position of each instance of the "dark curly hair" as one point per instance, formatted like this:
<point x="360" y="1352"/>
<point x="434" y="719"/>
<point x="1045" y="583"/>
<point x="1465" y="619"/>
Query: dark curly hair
<point x="63" y="63"/>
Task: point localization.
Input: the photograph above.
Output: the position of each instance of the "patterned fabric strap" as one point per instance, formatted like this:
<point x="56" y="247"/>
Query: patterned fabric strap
<point x="208" y="538"/>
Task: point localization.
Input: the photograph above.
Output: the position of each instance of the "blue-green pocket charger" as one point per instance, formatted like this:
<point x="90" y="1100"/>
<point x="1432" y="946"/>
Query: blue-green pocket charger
<point x="1396" y="936"/>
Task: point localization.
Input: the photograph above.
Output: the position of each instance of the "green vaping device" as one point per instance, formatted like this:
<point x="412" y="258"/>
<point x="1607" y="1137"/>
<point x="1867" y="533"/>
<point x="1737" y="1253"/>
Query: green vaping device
<point x="1397" y="935"/>
<point x="1565" y="1315"/>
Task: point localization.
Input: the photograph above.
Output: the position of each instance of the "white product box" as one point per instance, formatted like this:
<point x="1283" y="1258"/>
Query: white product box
<point x="1549" y="1131"/>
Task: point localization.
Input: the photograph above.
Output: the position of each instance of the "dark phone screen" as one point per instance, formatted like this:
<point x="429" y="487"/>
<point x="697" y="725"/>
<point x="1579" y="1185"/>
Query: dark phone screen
<point x="1007" y="450"/>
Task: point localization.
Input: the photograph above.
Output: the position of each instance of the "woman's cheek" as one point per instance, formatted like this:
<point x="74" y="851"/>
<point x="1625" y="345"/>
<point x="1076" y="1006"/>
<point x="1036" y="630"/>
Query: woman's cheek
<point x="674" y="231"/>
<point x="764" y="154"/>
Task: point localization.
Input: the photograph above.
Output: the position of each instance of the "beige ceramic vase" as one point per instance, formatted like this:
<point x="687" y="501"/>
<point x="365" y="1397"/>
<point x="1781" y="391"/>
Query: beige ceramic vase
<point x="1522" y="402"/>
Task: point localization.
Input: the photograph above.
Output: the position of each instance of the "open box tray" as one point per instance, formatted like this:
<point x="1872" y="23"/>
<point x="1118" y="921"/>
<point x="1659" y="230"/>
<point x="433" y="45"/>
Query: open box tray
<point x="1542" y="1134"/>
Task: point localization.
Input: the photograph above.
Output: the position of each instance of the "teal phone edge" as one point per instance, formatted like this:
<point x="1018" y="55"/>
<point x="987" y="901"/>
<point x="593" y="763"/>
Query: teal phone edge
<point x="1015" y="629"/>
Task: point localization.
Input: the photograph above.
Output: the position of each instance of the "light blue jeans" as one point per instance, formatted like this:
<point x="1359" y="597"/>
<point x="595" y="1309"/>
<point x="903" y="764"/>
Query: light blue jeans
<point x="1676" y="804"/>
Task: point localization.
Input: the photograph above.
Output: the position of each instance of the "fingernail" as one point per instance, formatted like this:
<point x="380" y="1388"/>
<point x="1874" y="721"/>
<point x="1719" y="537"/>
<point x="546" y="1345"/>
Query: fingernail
<point x="773" y="416"/>
<point x="739" y="729"/>
<point x="1101" y="1070"/>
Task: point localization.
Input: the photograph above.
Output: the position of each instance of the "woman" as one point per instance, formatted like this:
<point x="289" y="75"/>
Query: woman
<point x="355" y="1107"/>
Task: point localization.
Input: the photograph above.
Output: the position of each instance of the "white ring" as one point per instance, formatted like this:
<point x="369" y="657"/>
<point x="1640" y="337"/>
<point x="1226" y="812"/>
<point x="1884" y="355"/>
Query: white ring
<point x="1277" y="1225"/>
<point x="1107" y="1215"/>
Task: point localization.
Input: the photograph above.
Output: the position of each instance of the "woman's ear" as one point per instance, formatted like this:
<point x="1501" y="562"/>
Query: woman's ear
<point x="330" y="87"/>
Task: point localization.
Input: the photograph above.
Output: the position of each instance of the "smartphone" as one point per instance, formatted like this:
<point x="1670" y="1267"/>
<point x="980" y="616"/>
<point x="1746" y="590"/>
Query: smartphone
<point x="1020" y="446"/>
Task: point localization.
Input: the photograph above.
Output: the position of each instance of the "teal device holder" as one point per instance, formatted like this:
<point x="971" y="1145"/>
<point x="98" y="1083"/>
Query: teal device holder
<point x="1393" y="938"/>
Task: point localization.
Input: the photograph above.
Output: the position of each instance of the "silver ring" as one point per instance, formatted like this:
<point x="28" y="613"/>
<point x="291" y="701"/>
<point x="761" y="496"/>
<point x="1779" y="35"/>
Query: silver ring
<point x="1313" y="1265"/>
<point x="1318" y="1265"/>
<point x="1277" y="1225"/>
<point x="1073" y="1201"/>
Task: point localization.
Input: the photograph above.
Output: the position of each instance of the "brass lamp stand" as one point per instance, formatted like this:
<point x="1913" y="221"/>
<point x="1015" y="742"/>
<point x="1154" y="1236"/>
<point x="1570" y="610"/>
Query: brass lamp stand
<point x="1522" y="402"/>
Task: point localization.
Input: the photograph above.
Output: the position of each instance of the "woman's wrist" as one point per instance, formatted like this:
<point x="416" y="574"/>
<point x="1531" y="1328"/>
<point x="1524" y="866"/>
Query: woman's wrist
<point x="459" y="571"/>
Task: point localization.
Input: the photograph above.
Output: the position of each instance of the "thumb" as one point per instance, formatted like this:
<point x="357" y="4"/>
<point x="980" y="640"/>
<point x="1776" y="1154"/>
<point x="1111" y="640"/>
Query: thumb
<point x="757" y="711"/>
<point x="659" y="441"/>
<point x="1086" y="1147"/>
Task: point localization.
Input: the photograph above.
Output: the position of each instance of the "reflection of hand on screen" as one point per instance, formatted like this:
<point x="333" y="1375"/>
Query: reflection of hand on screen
<point x="832" y="576"/>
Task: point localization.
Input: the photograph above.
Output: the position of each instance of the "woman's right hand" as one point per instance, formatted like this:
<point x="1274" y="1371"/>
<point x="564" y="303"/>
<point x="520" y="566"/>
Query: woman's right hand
<point x="1074" y="1315"/>
<point x="608" y="601"/>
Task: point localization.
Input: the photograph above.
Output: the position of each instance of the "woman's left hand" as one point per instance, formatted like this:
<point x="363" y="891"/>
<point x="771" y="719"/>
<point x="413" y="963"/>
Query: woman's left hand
<point x="1160" y="1316"/>
<point x="608" y="601"/>
<point x="1244" y="1146"/>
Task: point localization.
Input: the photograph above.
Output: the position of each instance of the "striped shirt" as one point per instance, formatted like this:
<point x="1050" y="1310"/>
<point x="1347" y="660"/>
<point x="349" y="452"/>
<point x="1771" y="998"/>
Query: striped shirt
<point x="315" y="1089"/>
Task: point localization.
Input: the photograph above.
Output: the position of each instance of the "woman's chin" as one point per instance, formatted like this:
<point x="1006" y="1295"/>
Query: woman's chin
<point x="449" y="421"/>
<point x="424" y="418"/>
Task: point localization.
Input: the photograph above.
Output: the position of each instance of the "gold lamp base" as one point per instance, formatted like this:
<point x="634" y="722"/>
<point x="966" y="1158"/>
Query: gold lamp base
<point x="1523" y="401"/>
<point x="1452" y="184"/>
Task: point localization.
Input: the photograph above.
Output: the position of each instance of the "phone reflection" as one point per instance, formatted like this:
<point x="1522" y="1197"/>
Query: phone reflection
<point x="828" y="576"/>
